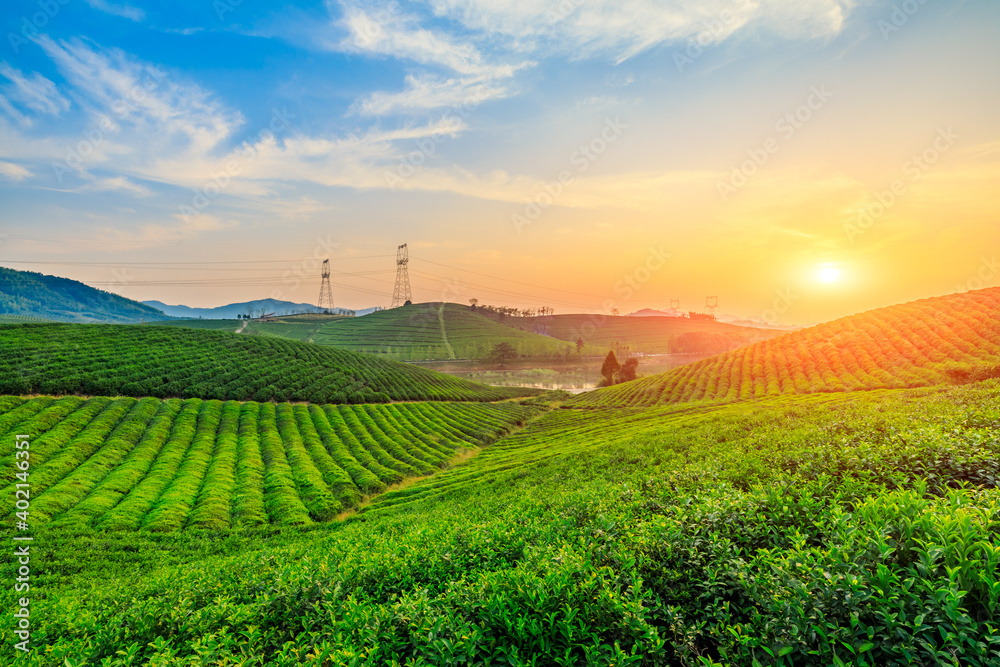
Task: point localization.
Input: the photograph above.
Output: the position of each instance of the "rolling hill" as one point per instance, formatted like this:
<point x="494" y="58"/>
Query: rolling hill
<point x="429" y="331"/>
<point x="34" y="295"/>
<point x="946" y="339"/>
<point x="647" y="334"/>
<point x="189" y="363"/>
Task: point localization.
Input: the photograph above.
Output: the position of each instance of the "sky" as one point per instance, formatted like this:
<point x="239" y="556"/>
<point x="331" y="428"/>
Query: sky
<point x="800" y="160"/>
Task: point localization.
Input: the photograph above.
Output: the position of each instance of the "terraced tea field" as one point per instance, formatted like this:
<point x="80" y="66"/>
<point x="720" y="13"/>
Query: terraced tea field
<point x="164" y="465"/>
<point x="209" y="325"/>
<point x="430" y="331"/>
<point x="851" y="528"/>
<point x="164" y="362"/>
<point x="932" y="341"/>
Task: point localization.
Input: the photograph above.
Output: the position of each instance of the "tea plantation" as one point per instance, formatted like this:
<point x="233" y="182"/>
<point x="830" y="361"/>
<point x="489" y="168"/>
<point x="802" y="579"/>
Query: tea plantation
<point x="834" y="529"/>
<point x="178" y="519"/>
<point x="96" y="360"/>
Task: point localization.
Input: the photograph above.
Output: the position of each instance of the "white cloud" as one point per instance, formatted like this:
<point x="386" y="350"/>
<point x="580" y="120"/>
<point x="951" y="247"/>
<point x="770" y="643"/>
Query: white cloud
<point x="14" y="172"/>
<point x="390" y="32"/>
<point x="124" y="10"/>
<point x="426" y="92"/>
<point x="146" y="105"/>
<point x="118" y="183"/>
<point x="387" y="31"/>
<point x="621" y="29"/>
<point x="477" y="40"/>
<point x="30" y="93"/>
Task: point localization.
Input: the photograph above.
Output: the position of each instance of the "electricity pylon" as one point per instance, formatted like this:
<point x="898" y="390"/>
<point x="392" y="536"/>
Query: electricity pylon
<point x="401" y="292"/>
<point x="325" y="291"/>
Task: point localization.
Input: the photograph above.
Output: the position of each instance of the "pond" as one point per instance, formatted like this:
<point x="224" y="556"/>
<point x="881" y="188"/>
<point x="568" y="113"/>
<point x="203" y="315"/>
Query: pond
<point x="574" y="376"/>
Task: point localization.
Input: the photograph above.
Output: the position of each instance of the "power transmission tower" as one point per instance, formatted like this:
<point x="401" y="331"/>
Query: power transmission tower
<point x="712" y="302"/>
<point x="675" y="304"/>
<point x="401" y="293"/>
<point x="325" y="291"/>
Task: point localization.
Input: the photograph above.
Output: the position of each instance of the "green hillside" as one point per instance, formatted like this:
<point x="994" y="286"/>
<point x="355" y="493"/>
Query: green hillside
<point x="164" y="465"/>
<point x="646" y="335"/>
<point x="435" y="331"/>
<point x="175" y="362"/>
<point x="35" y="295"/>
<point x="302" y="327"/>
<point x="211" y="325"/>
<point x="946" y="339"/>
<point x="834" y="529"/>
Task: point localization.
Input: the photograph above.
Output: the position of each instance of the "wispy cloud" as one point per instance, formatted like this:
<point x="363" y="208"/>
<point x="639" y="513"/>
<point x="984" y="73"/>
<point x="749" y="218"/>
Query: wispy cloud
<point x="391" y="32"/>
<point x="119" y="183"/>
<point x="30" y="93"/>
<point x="14" y="172"/>
<point x="621" y="29"/>
<point x="426" y="92"/>
<point x="124" y="10"/>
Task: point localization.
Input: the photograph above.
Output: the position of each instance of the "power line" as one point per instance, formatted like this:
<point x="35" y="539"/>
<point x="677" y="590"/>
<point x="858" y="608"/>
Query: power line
<point x="141" y="264"/>
<point x="486" y="275"/>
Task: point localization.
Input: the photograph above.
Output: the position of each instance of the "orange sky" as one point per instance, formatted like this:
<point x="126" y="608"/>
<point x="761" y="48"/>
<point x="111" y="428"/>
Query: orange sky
<point x="593" y="171"/>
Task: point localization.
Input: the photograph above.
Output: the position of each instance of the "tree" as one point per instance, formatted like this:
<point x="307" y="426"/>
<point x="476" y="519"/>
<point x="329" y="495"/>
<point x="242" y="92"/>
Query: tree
<point x="609" y="368"/>
<point x="502" y="353"/>
<point x="474" y="303"/>
<point x="579" y="345"/>
<point x="628" y="369"/>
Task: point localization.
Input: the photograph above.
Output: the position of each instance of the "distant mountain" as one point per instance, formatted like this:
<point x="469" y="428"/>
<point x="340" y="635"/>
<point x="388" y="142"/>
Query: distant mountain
<point x="230" y="311"/>
<point x="649" y="312"/>
<point x="732" y="319"/>
<point x="30" y="294"/>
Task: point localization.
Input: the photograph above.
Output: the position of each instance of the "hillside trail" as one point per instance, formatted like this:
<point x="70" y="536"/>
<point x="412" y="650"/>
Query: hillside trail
<point x="444" y="334"/>
<point x="242" y="326"/>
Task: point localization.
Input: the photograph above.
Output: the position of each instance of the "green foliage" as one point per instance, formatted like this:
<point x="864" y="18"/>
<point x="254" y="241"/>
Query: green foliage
<point x="185" y="363"/>
<point x="502" y="353"/>
<point x="609" y="368"/>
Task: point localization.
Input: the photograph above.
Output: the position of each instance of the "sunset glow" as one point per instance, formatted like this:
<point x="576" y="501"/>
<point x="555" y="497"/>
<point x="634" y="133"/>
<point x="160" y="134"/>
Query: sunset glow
<point x="530" y="155"/>
<point x="828" y="274"/>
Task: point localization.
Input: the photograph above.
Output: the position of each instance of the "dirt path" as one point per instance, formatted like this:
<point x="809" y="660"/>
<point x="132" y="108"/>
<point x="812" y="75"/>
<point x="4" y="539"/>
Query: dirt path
<point x="243" y="326"/>
<point x="444" y="334"/>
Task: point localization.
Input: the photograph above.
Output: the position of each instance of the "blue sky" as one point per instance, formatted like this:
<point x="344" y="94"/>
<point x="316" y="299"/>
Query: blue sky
<point x="209" y="152"/>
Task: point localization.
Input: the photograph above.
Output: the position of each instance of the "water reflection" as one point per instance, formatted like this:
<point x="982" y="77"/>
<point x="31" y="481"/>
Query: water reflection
<point x="574" y="376"/>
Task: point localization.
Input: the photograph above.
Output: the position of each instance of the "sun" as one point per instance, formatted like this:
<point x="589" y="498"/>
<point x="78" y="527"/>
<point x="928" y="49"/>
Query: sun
<point x="828" y="274"/>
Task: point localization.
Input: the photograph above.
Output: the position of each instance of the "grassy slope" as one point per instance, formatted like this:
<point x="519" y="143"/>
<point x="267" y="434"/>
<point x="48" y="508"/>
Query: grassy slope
<point x="167" y="361"/>
<point x="821" y="529"/>
<point x="210" y="325"/>
<point x="926" y="342"/>
<point x="413" y="333"/>
<point x="649" y="335"/>
<point x="302" y="327"/>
